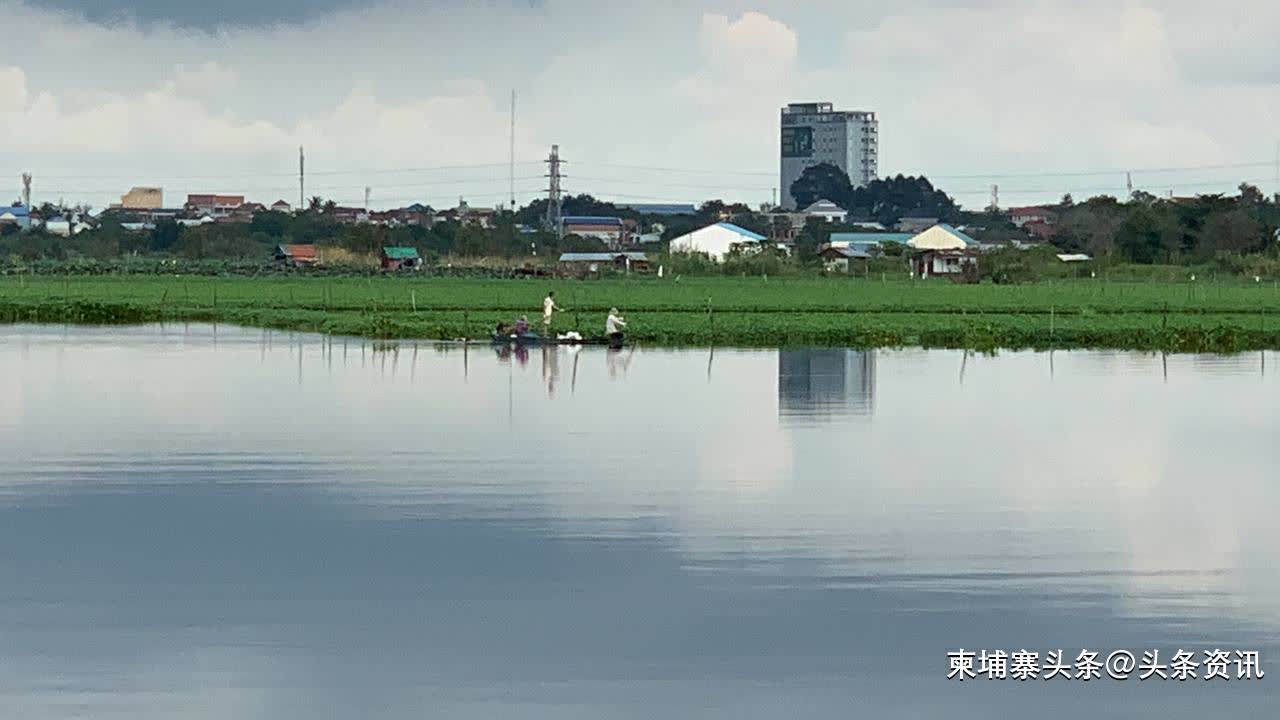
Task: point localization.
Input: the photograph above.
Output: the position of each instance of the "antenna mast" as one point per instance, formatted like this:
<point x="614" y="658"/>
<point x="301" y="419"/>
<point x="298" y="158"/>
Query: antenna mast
<point x="302" y="185"/>
<point x="512" y="169"/>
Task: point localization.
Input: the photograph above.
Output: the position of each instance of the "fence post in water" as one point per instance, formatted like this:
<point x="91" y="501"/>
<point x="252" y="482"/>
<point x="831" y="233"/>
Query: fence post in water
<point x="1051" y="322"/>
<point x="1165" y="324"/>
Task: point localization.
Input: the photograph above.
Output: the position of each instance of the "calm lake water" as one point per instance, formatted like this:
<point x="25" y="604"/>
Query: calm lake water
<point x="205" y="522"/>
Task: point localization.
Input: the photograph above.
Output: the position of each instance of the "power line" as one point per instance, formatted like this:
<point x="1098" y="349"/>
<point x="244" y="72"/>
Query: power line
<point x="625" y="181"/>
<point x="365" y="171"/>
<point x="650" y="168"/>
<point x="1093" y="173"/>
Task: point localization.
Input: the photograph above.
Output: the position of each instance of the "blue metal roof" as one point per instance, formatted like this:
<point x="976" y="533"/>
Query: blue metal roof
<point x="852" y="253"/>
<point x="871" y="238"/>
<point x="16" y="211"/>
<point x="662" y="208"/>
<point x="967" y="240"/>
<point x="742" y="231"/>
<point x="590" y="220"/>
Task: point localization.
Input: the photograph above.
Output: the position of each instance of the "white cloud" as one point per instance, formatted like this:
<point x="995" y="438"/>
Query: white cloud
<point x="13" y="98"/>
<point x="1054" y="86"/>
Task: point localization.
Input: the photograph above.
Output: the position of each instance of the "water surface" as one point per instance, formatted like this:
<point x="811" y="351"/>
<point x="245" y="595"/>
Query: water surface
<point x="214" y="522"/>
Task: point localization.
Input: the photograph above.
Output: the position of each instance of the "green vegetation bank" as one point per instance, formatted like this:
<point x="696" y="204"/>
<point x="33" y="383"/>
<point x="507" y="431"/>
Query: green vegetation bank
<point x="1183" y="316"/>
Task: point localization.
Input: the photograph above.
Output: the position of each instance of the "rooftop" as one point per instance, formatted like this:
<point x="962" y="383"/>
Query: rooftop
<point x="662" y="208"/>
<point x="742" y="231"/>
<point x="870" y="238"/>
<point x="590" y="220"/>
<point x="400" y="253"/>
<point x="603" y="257"/>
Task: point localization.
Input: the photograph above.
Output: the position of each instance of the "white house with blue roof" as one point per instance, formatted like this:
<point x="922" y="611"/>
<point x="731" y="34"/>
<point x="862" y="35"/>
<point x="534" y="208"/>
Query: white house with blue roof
<point x="718" y="240"/>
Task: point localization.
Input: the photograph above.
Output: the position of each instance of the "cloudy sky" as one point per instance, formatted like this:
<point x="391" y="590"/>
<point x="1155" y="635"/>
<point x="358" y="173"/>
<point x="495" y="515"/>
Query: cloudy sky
<point x="649" y="101"/>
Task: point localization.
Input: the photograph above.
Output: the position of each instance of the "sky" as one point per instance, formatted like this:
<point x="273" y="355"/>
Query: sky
<point x="660" y="101"/>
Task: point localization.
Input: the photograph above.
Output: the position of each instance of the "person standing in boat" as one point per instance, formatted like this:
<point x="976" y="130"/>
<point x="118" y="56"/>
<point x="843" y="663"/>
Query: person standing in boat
<point x="522" y="326"/>
<point x="548" y="307"/>
<point x="613" y="326"/>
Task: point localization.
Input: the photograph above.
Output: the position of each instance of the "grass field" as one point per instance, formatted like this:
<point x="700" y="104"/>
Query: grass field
<point x="1185" y="316"/>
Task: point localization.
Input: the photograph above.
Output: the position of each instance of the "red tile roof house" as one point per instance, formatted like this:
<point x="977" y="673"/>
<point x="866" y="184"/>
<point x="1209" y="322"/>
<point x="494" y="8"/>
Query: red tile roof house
<point x="213" y="205"/>
<point x="1023" y="215"/>
<point x="1041" y="230"/>
<point x="297" y="255"/>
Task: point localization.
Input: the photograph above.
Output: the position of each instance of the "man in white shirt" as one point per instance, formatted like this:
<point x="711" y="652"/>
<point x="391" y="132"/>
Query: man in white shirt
<point x="613" y="326"/>
<point x="548" y="306"/>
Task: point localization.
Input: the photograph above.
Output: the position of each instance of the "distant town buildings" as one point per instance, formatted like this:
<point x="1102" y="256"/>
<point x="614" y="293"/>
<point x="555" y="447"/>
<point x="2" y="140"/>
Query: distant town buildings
<point x="816" y="133"/>
<point x="611" y="231"/>
<point x="18" y="215"/>
<point x="215" y="206"/>
<point x="142" y="198"/>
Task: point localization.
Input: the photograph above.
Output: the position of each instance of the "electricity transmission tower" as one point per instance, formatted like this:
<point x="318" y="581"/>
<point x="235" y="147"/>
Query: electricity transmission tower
<point x="553" y="190"/>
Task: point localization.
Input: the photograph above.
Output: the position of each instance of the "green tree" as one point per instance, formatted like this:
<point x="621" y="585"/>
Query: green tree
<point x="1236" y="231"/>
<point x="273" y="223"/>
<point x="889" y="200"/>
<point x="823" y="181"/>
<point x="165" y="235"/>
<point x="816" y="233"/>
<point x="1148" y="235"/>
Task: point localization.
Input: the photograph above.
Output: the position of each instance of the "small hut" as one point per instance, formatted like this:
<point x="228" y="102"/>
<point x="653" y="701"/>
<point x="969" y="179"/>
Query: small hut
<point x="844" y="259"/>
<point x="595" y="262"/>
<point x="401" y="258"/>
<point x="299" y="256"/>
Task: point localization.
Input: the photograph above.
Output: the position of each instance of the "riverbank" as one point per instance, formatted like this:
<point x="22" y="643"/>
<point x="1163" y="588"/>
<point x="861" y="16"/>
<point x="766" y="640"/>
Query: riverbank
<point x="750" y="312"/>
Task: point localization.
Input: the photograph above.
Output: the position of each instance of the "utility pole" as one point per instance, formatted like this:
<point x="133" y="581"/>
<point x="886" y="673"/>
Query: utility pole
<point x="995" y="198"/>
<point x="302" y="185"/>
<point x="512" y="170"/>
<point x="26" y="190"/>
<point x="553" y="191"/>
<point x="367" y="191"/>
<point x="1128" y="184"/>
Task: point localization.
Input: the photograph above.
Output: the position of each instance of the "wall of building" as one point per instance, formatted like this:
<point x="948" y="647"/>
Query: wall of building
<point x="815" y="133"/>
<point x="143" y="199"/>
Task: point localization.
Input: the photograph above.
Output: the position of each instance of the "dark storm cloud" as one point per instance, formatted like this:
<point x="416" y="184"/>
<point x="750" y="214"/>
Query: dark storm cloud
<point x="204" y="15"/>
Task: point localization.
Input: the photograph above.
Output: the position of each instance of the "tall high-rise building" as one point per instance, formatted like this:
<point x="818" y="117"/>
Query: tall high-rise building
<point x="815" y="133"/>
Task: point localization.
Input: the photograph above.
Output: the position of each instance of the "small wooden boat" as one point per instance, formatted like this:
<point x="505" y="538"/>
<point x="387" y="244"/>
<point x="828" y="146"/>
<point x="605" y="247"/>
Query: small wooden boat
<point x="530" y="339"/>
